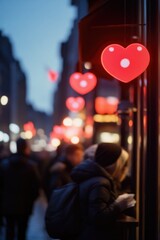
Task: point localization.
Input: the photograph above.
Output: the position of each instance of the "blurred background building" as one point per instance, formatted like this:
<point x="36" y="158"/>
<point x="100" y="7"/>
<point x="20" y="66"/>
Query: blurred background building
<point x="15" y="111"/>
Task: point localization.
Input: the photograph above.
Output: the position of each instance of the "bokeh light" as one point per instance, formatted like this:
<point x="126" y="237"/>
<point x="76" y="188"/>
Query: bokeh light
<point x="75" y="140"/>
<point x="4" y="100"/>
<point x="67" y="122"/>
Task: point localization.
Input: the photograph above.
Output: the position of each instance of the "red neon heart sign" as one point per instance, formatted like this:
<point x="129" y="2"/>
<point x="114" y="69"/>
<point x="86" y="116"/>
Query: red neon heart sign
<point x="75" y="104"/>
<point x="83" y="83"/>
<point x="125" y="64"/>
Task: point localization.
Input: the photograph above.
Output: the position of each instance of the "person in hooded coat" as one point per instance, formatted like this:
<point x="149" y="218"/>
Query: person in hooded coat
<point x="59" y="173"/>
<point x="19" y="188"/>
<point x="99" y="202"/>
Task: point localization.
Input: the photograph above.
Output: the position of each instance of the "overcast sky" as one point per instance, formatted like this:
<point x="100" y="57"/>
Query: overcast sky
<point x="36" y="29"/>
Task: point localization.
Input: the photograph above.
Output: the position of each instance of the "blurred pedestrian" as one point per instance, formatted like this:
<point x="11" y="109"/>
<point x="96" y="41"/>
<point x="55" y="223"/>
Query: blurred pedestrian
<point x="48" y="173"/>
<point x="59" y="172"/>
<point x="58" y="154"/>
<point x="19" y="189"/>
<point x="99" y="201"/>
<point x="4" y="153"/>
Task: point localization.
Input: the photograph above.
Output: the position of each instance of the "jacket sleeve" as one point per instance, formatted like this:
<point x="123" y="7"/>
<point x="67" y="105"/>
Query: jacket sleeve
<point x="100" y="209"/>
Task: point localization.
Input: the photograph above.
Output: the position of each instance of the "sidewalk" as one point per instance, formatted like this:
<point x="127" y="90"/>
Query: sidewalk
<point x="36" y="228"/>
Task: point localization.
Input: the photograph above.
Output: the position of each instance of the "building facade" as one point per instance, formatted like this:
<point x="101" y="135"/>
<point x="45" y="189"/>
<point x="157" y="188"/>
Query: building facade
<point x="70" y="64"/>
<point x="126" y="22"/>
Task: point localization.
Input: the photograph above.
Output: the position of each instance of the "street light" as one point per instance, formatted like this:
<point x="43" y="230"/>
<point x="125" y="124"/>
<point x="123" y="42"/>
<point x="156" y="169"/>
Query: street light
<point x="75" y="140"/>
<point x="4" y="137"/>
<point x="4" y="100"/>
<point x="109" y="137"/>
<point x="14" y="128"/>
<point x="13" y="147"/>
<point x="77" y="122"/>
<point x="67" y="122"/>
<point x="55" y="142"/>
<point x="1" y="136"/>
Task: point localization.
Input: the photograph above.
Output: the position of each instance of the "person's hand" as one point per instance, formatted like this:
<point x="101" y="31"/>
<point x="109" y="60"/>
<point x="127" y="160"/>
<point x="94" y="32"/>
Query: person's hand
<point x="125" y="201"/>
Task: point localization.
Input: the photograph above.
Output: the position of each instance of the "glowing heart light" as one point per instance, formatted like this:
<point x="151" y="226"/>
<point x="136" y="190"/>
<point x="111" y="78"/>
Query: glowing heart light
<point x="83" y="83"/>
<point x="125" y="64"/>
<point x="75" y="104"/>
<point x="106" y="105"/>
<point x="52" y="75"/>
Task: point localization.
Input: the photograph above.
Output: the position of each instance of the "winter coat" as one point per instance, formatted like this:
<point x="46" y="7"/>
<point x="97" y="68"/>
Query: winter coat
<point x="19" y="185"/>
<point x="97" y="196"/>
<point x="57" y="176"/>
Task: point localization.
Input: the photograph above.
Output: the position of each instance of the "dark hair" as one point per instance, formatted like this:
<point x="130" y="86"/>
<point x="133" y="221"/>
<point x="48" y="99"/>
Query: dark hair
<point x="21" y="145"/>
<point x="73" y="148"/>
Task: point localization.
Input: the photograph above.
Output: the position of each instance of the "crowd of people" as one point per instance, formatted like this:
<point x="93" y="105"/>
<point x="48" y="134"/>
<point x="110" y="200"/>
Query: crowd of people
<point x="99" y="170"/>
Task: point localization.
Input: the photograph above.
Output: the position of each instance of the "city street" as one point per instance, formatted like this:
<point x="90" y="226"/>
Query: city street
<point x="80" y="114"/>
